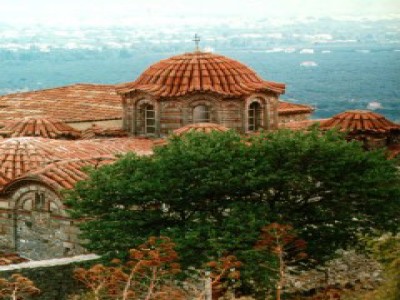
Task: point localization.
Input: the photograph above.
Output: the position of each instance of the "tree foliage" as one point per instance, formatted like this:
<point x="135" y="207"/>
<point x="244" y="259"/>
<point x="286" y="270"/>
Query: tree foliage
<point x="212" y="193"/>
<point x="17" y="287"/>
<point x="148" y="274"/>
<point x="282" y="242"/>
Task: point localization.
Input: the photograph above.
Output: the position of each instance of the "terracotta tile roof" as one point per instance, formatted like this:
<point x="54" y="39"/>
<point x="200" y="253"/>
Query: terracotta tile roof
<point x="37" y="126"/>
<point x="200" y="71"/>
<point x="100" y="147"/>
<point x="287" y="108"/>
<point x="19" y="156"/>
<point x="82" y="102"/>
<point x="73" y="103"/>
<point x="200" y="127"/>
<point x="96" y="131"/>
<point x="65" y="174"/>
<point x="358" y="121"/>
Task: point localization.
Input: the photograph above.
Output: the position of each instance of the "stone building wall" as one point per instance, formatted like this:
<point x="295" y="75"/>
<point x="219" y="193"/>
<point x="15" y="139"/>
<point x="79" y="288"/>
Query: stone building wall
<point x="286" y="118"/>
<point x="33" y="223"/>
<point x="106" y="123"/>
<point x="174" y="113"/>
<point x="53" y="277"/>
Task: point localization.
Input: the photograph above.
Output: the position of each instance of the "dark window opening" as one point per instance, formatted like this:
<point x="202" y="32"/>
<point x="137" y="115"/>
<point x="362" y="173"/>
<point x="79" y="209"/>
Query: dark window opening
<point x="201" y="114"/>
<point x="254" y="116"/>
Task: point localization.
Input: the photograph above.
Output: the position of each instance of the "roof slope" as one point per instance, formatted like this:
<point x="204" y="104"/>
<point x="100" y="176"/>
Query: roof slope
<point x="355" y="121"/>
<point x="288" y="108"/>
<point x="19" y="156"/>
<point x="37" y="126"/>
<point x="200" y="127"/>
<point x="96" y="131"/>
<point x="65" y="174"/>
<point x="72" y="103"/>
<point x="200" y="71"/>
<point x="83" y="102"/>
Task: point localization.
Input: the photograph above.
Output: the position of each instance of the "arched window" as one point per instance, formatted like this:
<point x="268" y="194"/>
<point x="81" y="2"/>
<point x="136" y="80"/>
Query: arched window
<point x="201" y="114"/>
<point x="149" y="119"/>
<point x="254" y="116"/>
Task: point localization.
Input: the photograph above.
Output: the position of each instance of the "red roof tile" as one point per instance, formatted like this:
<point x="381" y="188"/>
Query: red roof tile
<point x="65" y="174"/>
<point x="82" y="102"/>
<point x="96" y="131"/>
<point x="73" y="103"/>
<point x="200" y="71"/>
<point x="200" y="127"/>
<point x="37" y="126"/>
<point x="287" y="108"/>
<point x="19" y="156"/>
<point x="100" y="147"/>
<point x="359" y="121"/>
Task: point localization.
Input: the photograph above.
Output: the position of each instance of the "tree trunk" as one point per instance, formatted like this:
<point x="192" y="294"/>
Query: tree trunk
<point x="208" y="288"/>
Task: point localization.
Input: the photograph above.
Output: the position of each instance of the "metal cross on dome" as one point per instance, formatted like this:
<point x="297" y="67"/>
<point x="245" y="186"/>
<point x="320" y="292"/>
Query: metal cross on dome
<point x="197" y="41"/>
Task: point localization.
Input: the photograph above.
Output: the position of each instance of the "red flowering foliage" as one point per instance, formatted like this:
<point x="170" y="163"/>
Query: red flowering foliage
<point x="281" y="241"/>
<point x="141" y="277"/>
<point x="225" y="268"/>
<point x="17" y="287"/>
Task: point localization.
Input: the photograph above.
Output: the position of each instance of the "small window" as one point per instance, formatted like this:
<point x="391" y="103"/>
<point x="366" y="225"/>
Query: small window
<point x="254" y="116"/>
<point x="149" y="119"/>
<point x="201" y="114"/>
<point x="39" y="201"/>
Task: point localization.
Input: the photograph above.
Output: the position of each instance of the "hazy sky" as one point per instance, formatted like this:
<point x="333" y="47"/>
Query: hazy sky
<point x="112" y="11"/>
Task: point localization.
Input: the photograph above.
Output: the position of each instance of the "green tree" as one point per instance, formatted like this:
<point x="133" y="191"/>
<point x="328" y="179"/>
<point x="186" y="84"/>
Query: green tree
<point x="328" y="189"/>
<point x="212" y="193"/>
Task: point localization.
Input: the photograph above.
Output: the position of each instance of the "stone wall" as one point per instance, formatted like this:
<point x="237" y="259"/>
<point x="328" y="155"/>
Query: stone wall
<point x="53" y="277"/>
<point x="33" y="223"/>
<point x="174" y="113"/>
<point x="286" y="118"/>
<point x="106" y="124"/>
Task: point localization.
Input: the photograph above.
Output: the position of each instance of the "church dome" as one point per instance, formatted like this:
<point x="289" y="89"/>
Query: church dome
<point x="200" y="72"/>
<point x="359" y="121"/>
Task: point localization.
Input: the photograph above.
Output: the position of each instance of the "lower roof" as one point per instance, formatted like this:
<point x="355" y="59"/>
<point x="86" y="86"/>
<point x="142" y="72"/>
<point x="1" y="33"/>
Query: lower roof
<point x="84" y="103"/>
<point x="72" y="103"/>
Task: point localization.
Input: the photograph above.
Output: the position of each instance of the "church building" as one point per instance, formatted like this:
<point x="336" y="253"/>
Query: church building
<point x="199" y="87"/>
<point x="47" y="136"/>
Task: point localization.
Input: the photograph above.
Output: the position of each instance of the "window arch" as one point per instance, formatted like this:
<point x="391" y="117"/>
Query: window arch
<point x="254" y="116"/>
<point x="201" y="114"/>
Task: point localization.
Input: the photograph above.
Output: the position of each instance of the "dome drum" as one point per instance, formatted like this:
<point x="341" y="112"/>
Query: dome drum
<point x="199" y="87"/>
